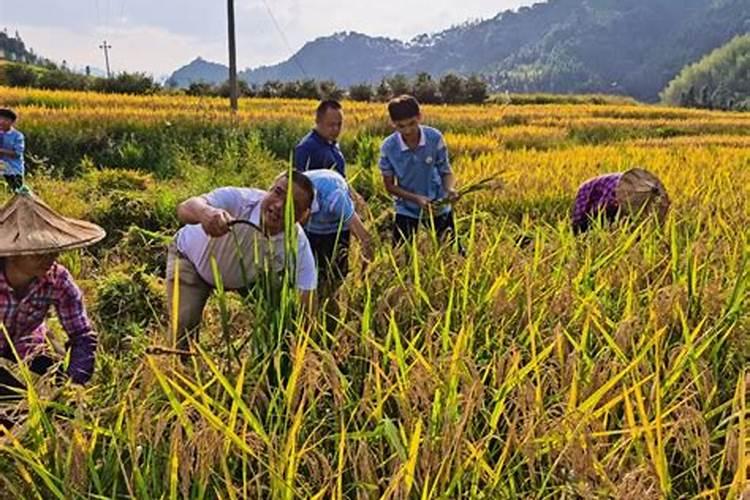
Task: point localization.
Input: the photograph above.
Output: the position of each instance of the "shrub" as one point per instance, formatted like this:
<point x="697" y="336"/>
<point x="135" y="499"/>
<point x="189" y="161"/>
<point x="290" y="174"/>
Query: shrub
<point x="451" y="88"/>
<point x="119" y="210"/>
<point x="107" y="180"/>
<point x="127" y="298"/>
<point x="19" y="75"/>
<point x="361" y="92"/>
<point x="126" y="83"/>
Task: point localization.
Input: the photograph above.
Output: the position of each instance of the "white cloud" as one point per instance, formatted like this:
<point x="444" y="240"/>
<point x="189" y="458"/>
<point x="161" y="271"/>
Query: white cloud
<point x="158" y="37"/>
<point x="140" y="48"/>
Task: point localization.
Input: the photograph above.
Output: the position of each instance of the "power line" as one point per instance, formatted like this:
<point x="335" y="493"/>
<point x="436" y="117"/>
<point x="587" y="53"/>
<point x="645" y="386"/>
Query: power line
<point x="98" y="13"/>
<point x="107" y="31"/>
<point x="284" y="39"/>
<point x="122" y="9"/>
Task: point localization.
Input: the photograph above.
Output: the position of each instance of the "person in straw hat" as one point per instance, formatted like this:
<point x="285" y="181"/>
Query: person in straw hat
<point x="31" y="237"/>
<point x="631" y="193"/>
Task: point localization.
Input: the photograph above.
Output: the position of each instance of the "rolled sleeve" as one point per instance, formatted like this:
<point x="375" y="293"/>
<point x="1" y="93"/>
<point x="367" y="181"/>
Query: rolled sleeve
<point x="75" y="321"/>
<point x="385" y="164"/>
<point x="307" y="277"/>
<point x="230" y="199"/>
<point x="301" y="160"/>
<point x="344" y="208"/>
<point x="441" y="157"/>
<point x="19" y="144"/>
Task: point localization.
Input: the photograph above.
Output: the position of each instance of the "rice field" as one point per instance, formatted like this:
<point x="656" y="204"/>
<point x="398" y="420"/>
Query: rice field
<point x="540" y="365"/>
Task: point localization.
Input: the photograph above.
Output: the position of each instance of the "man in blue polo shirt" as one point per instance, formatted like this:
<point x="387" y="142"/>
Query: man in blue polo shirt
<point x="328" y="229"/>
<point x="416" y="171"/>
<point x="12" y="147"/>
<point x="319" y="149"/>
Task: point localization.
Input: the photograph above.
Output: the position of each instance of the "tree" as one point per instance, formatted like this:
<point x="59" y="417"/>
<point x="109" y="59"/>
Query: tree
<point x="475" y="90"/>
<point x="200" y="89"/>
<point x="452" y="88"/>
<point x="61" y="79"/>
<point x="126" y="83"/>
<point x="399" y="85"/>
<point x="20" y="75"/>
<point x="721" y="80"/>
<point x="328" y="89"/>
<point x="383" y="91"/>
<point x="243" y="89"/>
<point x="307" y="89"/>
<point x="271" y="88"/>
<point x="425" y="89"/>
<point x="361" y="92"/>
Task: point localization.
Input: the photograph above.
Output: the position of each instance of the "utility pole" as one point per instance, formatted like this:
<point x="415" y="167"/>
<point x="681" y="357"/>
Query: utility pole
<point x="232" y="57"/>
<point x="106" y="48"/>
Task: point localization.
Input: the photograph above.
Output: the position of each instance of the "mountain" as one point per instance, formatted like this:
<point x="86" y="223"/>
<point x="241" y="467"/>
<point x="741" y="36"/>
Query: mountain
<point x="632" y="47"/>
<point x="13" y="48"/>
<point x="198" y="71"/>
<point x="347" y="58"/>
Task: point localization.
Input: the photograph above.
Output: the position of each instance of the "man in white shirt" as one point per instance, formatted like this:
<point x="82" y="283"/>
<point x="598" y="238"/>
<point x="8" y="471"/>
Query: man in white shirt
<point x="241" y="250"/>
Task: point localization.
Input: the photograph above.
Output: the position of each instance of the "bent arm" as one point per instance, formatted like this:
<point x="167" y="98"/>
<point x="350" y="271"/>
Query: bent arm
<point x="360" y="232"/>
<point x="197" y="210"/>
<point x="301" y="158"/>
<point x="82" y="338"/>
<point x="393" y="188"/>
<point x="194" y="210"/>
<point x="449" y="182"/>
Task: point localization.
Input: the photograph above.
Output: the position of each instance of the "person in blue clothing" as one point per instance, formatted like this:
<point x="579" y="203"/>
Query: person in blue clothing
<point x="12" y="146"/>
<point x="333" y="219"/>
<point x="319" y="149"/>
<point x="416" y="170"/>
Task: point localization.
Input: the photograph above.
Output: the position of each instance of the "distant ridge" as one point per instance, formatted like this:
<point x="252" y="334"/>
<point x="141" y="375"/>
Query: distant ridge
<point x="632" y="47"/>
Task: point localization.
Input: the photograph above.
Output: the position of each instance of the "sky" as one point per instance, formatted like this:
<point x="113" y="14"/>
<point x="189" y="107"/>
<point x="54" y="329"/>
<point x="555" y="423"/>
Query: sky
<point x="158" y="36"/>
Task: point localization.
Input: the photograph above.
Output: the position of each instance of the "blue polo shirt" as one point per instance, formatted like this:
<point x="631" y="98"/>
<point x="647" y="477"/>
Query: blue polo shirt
<point x="314" y="152"/>
<point x="14" y="141"/>
<point x="333" y="208"/>
<point x="419" y="171"/>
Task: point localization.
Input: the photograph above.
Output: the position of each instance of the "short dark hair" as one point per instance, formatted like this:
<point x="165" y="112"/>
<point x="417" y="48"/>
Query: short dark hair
<point x="403" y="107"/>
<point x="325" y="106"/>
<point x="304" y="183"/>
<point x="8" y="113"/>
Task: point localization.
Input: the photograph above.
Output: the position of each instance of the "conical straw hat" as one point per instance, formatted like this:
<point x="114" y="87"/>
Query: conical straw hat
<point x="29" y="227"/>
<point x="640" y="191"/>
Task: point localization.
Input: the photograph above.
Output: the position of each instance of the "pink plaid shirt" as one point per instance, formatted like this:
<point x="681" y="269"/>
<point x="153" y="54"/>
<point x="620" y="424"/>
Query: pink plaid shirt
<point x="595" y="196"/>
<point x="24" y="320"/>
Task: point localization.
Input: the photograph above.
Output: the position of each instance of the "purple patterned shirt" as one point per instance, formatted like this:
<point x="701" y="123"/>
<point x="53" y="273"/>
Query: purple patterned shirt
<point x="595" y="196"/>
<point x="24" y="319"/>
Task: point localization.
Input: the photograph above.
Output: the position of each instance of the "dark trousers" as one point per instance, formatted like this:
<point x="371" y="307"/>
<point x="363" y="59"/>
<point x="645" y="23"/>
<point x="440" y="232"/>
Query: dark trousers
<point x="10" y="385"/>
<point x="14" y="181"/>
<point x="8" y="381"/>
<point x="331" y="253"/>
<point x="404" y="227"/>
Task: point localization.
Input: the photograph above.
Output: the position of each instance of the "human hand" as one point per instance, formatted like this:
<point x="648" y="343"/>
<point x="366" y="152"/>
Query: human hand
<point x="452" y="195"/>
<point x="423" y="201"/>
<point x="368" y="254"/>
<point x="216" y="222"/>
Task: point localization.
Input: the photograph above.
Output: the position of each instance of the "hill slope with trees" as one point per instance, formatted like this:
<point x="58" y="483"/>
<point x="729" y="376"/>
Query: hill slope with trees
<point x="630" y="47"/>
<point x="721" y="80"/>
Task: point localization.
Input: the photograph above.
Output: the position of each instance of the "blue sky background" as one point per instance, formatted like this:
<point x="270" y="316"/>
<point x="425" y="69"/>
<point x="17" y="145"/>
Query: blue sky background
<point x="158" y="36"/>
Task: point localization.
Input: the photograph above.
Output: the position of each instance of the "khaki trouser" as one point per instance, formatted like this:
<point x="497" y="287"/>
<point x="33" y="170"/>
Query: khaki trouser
<point x="193" y="294"/>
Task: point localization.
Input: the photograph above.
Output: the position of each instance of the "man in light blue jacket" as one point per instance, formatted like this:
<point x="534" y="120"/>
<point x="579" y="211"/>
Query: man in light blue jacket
<point x="12" y="146"/>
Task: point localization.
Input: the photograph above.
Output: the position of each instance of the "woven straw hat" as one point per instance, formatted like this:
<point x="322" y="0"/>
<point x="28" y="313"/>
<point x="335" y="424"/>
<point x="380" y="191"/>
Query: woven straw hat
<point x="640" y="191"/>
<point x="29" y="227"/>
